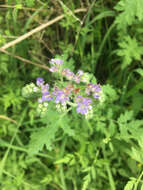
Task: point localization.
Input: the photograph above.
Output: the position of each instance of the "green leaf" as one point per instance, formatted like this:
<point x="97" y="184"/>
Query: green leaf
<point x="129" y="51"/>
<point x="65" y="125"/>
<point x="127" y="116"/>
<point x="44" y="136"/>
<point x="139" y="71"/>
<point x="30" y="3"/>
<point x="110" y="93"/>
<point x="129" y="185"/>
<point x="129" y="11"/>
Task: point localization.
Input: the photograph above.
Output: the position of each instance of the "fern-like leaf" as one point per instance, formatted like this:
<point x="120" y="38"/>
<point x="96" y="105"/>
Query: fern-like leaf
<point x="130" y="10"/>
<point x="44" y="136"/>
<point x="129" y="50"/>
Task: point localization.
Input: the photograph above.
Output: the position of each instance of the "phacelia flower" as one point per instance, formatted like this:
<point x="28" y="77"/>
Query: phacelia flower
<point x="83" y="108"/>
<point x="83" y="105"/>
<point x="55" y="90"/>
<point x="56" y="62"/>
<point x="96" y="96"/>
<point x="79" y="99"/>
<point x="65" y="72"/>
<point x="54" y="69"/>
<point x="39" y="81"/>
<point x="47" y="97"/>
<point x="80" y="73"/>
<point x="94" y="89"/>
<point x="67" y="91"/>
<point x="77" y="79"/>
<point x="68" y="74"/>
<point x="45" y="88"/>
<point x="61" y="97"/>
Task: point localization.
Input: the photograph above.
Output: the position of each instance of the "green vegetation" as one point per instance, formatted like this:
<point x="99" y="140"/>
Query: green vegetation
<point x="67" y="151"/>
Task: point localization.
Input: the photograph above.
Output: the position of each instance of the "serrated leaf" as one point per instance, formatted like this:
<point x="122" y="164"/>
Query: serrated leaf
<point x="44" y="136"/>
<point x="130" y="10"/>
<point x="127" y="116"/>
<point x="109" y="92"/>
<point x="129" y="51"/>
<point x="65" y="125"/>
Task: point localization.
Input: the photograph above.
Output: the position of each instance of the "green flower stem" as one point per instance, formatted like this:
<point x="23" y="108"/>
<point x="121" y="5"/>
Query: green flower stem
<point x="111" y="179"/>
<point x="138" y="180"/>
<point x="61" y="166"/>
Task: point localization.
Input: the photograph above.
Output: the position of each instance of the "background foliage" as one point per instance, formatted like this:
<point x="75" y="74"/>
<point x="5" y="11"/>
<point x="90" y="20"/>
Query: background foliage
<point x="73" y="153"/>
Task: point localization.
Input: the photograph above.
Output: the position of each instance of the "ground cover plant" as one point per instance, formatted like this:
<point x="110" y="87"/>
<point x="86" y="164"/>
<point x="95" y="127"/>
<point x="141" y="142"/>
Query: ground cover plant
<point x="71" y="95"/>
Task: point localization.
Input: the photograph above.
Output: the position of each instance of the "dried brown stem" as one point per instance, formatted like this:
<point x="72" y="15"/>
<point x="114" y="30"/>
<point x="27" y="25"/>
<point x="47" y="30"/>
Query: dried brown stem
<point x="37" y="29"/>
<point x="24" y="60"/>
<point x="7" y="118"/>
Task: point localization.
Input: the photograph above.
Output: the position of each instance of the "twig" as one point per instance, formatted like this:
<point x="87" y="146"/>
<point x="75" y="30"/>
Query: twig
<point x="37" y="29"/>
<point x="24" y="60"/>
<point x="13" y="7"/>
<point x="4" y="36"/>
<point x="7" y="118"/>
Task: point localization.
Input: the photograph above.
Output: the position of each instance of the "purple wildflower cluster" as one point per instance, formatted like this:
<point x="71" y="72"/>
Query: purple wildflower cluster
<point x="69" y="75"/>
<point x="46" y="96"/>
<point x="59" y="95"/>
<point x="71" y="94"/>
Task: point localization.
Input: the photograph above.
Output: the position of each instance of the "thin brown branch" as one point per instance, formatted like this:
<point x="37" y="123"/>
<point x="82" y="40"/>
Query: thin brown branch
<point x="13" y="7"/>
<point x="7" y="118"/>
<point x="37" y="29"/>
<point x="24" y="60"/>
<point x="4" y="36"/>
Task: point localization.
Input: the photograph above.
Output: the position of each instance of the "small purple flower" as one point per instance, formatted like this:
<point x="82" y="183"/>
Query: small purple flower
<point x="70" y="76"/>
<point x="80" y="73"/>
<point x="56" y="62"/>
<point x="93" y="88"/>
<point x="61" y="97"/>
<point x="39" y="81"/>
<point x="79" y="99"/>
<point x="98" y="89"/>
<point x="65" y="72"/>
<point x="96" y="96"/>
<point x="55" y="91"/>
<point x="82" y="108"/>
<point x="83" y="105"/>
<point x="77" y="79"/>
<point x="45" y="88"/>
<point x="87" y="101"/>
<point x="47" y="97"/>
<point x="53" y="69"/>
